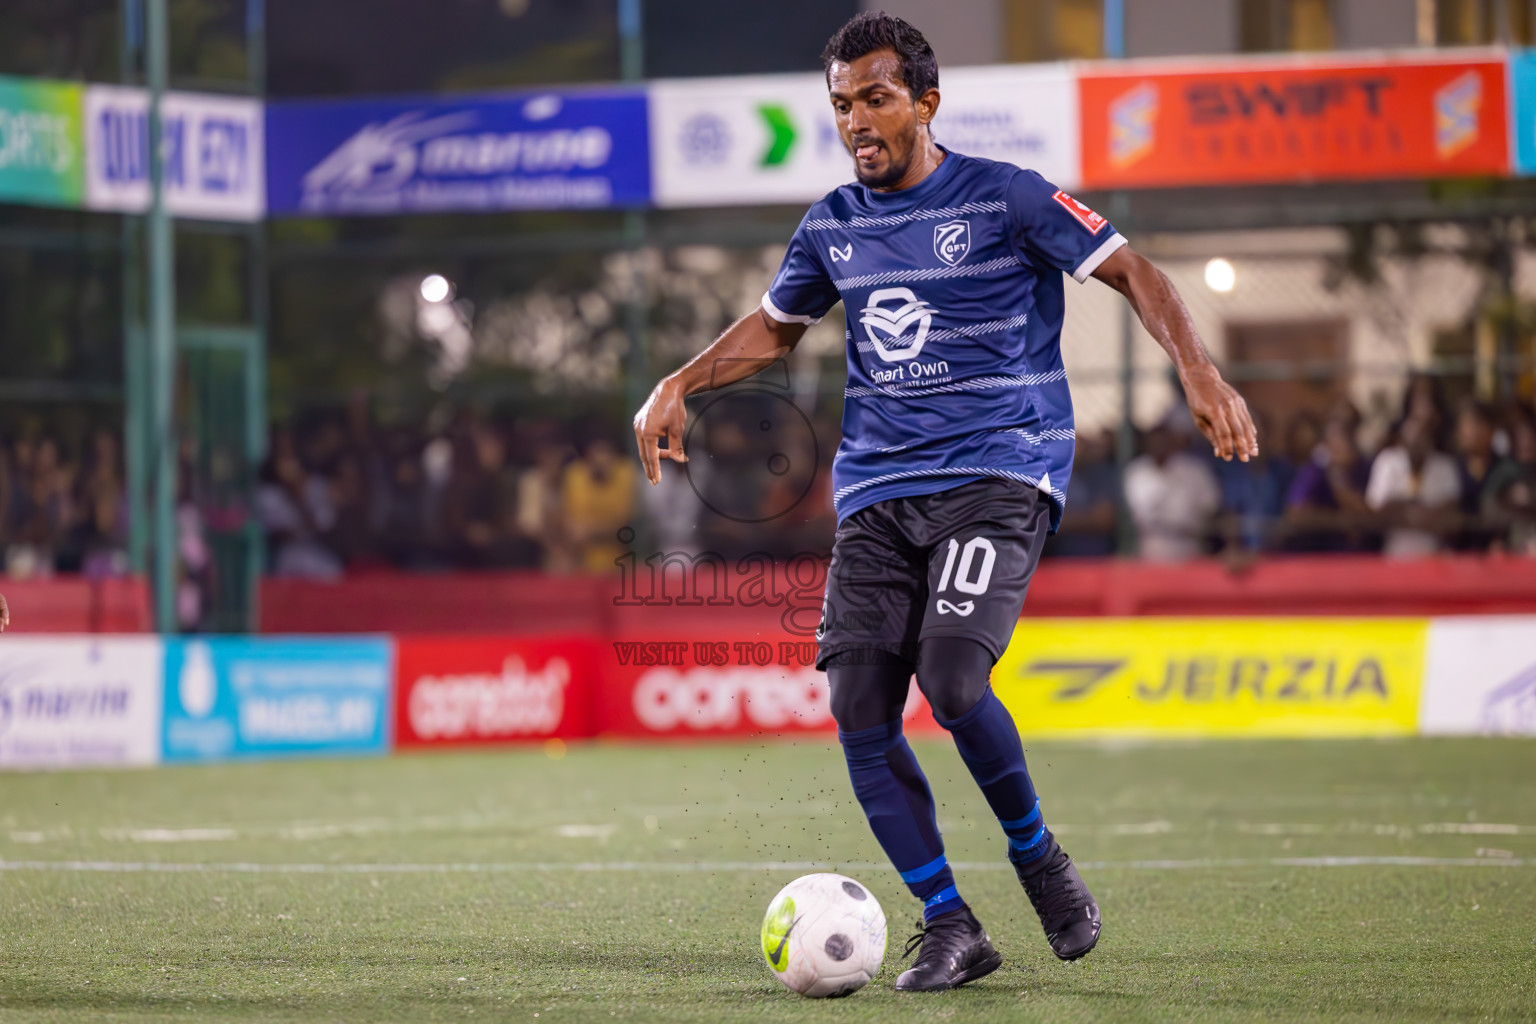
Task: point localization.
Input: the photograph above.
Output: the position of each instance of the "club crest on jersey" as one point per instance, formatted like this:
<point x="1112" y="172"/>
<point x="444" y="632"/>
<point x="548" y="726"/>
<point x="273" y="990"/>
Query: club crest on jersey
<point x="952" y="240"/>
<point x="887" y="325"/>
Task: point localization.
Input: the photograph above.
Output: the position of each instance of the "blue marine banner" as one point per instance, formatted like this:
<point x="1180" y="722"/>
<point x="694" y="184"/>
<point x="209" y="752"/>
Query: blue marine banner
<point x="542" y="151"/>
<point x="1522" y="95"/>
<point x="231" y="697"/>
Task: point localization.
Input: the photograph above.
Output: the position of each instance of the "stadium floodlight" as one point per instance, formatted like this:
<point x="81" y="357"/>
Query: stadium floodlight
<point x="436" y="288"/>
<point x="1220" y="275"/>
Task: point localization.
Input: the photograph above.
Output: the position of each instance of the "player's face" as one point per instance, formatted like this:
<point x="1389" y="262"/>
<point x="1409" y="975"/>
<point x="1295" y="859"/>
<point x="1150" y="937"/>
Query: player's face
<point x="879" y="121"/>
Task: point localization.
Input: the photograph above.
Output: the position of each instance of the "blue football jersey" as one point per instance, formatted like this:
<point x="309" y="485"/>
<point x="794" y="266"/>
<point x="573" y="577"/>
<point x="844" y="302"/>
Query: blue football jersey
<point x="954" y="299"/>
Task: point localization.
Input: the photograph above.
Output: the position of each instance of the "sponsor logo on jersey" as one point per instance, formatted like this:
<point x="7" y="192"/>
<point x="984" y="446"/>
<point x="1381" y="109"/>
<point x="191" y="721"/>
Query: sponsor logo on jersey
<point x="961" y="609"/>
<point x="952" y="240"/>
<point x="1084" y="216"/>
<point x="888" y="326"/>
<point x="844" y="255"/>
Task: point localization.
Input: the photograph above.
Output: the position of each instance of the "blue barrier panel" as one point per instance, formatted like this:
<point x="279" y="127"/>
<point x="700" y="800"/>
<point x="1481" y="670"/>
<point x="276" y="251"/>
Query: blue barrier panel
<point x="232" y="697"/>
<point x="540" y="151"/>
<point x="1522" y="95"/>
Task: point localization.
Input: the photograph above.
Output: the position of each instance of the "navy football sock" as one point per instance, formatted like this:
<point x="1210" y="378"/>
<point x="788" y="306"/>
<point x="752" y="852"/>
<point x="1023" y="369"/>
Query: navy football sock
<point x="989" y="744"/>
<point x="899" y="805"/>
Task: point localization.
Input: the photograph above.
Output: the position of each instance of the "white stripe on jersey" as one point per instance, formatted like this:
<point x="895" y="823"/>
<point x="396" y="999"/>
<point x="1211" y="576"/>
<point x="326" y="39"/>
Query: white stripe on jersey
<point x="834" y="224"/>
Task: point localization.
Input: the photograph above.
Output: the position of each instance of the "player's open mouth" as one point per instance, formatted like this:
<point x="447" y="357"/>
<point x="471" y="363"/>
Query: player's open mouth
<point x="867" y="152"/>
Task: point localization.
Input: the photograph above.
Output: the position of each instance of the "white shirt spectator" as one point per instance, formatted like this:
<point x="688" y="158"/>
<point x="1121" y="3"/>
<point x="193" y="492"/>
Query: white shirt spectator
<point x="1171" y="504"/>
<point x="1437" y="485"/>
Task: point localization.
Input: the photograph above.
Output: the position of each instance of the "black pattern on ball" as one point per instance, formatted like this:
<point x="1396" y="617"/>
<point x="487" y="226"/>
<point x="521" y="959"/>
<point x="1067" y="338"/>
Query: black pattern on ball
<point x="839" y="946"/>
<point x="852" y="889"/>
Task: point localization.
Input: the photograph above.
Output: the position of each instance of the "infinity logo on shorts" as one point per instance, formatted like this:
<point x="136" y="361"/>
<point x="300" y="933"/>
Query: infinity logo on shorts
<point x="962" y="609"/>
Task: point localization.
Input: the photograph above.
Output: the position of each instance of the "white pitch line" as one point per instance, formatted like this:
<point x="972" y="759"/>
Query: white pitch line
<point x="687" y="867"/>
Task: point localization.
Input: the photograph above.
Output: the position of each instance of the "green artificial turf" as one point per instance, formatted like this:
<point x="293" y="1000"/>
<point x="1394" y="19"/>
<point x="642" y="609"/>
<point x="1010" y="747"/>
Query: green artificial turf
<point x="628" y="883"/>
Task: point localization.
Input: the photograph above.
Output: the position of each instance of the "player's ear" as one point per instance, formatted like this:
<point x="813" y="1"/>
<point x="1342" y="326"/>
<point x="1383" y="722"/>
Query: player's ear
<point x="927" y="106"/>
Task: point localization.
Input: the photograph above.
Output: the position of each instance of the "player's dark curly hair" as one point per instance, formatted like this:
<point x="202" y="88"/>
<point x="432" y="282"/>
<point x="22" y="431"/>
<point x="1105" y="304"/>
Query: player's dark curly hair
<point x="869" y="31"/>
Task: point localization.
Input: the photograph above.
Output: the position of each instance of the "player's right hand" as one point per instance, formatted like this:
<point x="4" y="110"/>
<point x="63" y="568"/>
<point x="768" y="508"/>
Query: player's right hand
<point x="5" y="614"/>
<point x="662" y="416"/>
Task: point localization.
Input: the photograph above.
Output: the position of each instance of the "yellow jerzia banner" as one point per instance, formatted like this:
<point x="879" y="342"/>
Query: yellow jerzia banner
<point x="1214" y="677"/>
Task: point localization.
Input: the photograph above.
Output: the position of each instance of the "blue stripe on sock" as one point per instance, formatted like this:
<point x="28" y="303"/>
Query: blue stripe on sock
<point x="925" y="872"/>
<point x="942" y="896"/>
<point x="1026" y="844"/>
<point x="1029" y="819"/>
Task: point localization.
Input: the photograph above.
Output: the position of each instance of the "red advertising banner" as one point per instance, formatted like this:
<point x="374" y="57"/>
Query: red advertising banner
<point x="1293" y="122"/>
<point x="466" y="690"/>
<point x="742" y="686"/>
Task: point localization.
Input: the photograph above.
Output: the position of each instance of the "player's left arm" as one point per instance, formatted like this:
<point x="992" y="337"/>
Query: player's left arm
<point x="1219" y="411"/>
<point x="5" y="614"/>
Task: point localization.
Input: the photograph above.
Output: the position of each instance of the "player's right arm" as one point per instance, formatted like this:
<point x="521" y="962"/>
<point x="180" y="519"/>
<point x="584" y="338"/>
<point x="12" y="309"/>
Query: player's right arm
<point x="5" y="614"/>
<point x="801" y="294"/>
<point x="747" y="346"/>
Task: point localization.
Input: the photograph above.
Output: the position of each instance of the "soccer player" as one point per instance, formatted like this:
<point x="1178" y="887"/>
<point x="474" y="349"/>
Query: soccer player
<point x="957" y="444"/>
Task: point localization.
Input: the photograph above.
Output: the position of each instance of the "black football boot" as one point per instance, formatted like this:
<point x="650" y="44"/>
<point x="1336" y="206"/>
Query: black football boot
<point x="1067" y="910"/>
<point x="954" y="950"/>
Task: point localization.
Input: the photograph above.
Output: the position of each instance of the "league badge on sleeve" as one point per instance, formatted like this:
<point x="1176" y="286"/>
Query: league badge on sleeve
<point x="1084" y="216"/>
<point x="952" y="240"/>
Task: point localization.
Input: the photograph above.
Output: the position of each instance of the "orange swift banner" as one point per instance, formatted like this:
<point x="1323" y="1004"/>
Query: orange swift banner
<point x="1293" y="122"/>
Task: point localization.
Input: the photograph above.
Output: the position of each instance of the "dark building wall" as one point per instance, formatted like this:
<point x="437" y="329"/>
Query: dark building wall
<point x="707" y="37"/>
<point x="1171" y="28"/>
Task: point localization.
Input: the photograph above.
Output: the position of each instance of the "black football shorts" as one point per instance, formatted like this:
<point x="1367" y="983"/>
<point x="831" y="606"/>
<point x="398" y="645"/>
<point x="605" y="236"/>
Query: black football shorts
<point x="955" y="563"/>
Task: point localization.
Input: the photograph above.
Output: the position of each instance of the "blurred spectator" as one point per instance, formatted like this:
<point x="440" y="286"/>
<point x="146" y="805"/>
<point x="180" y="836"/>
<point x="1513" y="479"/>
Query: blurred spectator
<point x="598" y="493"/>
<point x="1475" y="463"/>
<point x="40" y="511"/>
<point x="102" y="529"/>
<point x="1171" y="495"/>
<point x="1253" y="492"/>
<point x="1509" y="493"/>
<point x="1325" y="508"/>
<point x="539" y="512"/>
<point x="295" y="508"/>
<point x="1093" y="496"/>
<point x="403" y="510"/>
<point x="1416" y="489"/>
<point x="480" y="507"/>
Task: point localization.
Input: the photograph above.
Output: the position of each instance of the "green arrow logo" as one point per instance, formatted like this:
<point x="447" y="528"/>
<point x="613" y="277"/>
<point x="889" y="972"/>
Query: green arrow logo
<point x="783" y="130"/>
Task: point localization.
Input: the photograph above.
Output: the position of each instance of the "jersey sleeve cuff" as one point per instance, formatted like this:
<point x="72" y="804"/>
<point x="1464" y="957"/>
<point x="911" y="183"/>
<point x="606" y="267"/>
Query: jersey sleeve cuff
<point x="1098" y="256"/>
<point x="787" y="318"/>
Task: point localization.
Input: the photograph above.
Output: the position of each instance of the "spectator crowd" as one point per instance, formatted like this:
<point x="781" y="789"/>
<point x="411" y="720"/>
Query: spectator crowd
<point x="338" y="495"/>
<point x="1438" y="480"/>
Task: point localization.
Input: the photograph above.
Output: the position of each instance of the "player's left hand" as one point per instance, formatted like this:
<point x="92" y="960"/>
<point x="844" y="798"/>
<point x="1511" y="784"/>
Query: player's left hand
<point x="1222" y="415"/>
<point x="662" y="416"/>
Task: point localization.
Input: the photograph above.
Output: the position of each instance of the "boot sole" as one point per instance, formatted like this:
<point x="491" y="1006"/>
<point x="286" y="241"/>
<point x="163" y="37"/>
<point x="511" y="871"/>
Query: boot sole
<point x="967" y="976"/>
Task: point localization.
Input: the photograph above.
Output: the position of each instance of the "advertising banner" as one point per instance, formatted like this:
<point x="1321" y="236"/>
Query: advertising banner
<point x="72" y="701"/>
<point x="540" y="151"/>
<point x="1024" y="114"/>
<point x="757" y="685"/>
<point x="1213" y="677"/>
<point x="745" y="140"/>
<point x="215" y="167"/>
<point x="763" y="139"/>
<point x="231" y="697"/>
<point x="493" y="689"/>
<point x="42" y="155"/>
<point x="1522" y="95"/>
<point x="1290" y="121"/>
<point x="1480" y="677"/>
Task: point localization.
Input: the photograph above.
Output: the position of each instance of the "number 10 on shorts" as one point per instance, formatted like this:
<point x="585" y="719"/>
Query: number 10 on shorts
<point x="962" y="574"/>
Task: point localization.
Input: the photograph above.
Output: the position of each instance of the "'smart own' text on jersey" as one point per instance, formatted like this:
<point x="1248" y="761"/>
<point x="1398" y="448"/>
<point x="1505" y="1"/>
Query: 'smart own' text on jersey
<point x="954" y="300"/>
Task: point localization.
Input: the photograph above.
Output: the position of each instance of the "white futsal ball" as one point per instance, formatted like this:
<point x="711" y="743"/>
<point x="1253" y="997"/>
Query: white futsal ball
<point x="824" y="935"/>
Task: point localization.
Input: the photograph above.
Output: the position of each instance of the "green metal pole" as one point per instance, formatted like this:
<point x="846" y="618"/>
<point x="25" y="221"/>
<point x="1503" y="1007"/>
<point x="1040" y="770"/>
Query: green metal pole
<point x="256" y="356"/>
<point x="136" y="398"/>
<point x="162" y="329"/>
